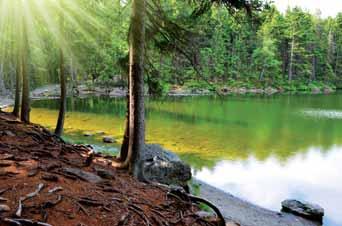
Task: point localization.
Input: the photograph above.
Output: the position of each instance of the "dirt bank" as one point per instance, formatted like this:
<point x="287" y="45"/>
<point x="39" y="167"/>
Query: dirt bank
<point x="45" y="181"/>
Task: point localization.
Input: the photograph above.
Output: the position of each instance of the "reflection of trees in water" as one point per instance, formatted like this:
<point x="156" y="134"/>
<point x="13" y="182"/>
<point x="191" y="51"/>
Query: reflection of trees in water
<point x="233" y="129"/>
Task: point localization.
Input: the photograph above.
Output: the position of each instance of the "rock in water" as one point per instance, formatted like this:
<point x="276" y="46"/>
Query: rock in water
<point x="164" y="167"/>
<point x="108" y="140"/>
<point x="303" y="209"/>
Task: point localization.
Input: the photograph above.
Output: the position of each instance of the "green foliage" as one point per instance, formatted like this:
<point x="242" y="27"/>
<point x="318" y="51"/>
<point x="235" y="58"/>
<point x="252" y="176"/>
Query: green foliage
<point x="216" y="49"/>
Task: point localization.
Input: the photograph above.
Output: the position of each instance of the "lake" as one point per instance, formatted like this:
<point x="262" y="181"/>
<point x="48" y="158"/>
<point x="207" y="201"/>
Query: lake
<point x="262" y="149"/>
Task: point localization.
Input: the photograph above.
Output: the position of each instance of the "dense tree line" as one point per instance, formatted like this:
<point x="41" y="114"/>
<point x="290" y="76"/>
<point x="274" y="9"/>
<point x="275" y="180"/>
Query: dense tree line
<point x="295" y="50"/>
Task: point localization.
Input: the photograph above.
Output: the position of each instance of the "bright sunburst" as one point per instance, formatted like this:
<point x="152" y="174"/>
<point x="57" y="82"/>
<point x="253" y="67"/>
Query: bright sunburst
<point x="42" y="25"/>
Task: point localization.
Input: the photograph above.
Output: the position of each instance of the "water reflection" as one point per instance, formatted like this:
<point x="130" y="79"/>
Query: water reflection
<point x="313" y="176"/>
<point x="263" y="144"/>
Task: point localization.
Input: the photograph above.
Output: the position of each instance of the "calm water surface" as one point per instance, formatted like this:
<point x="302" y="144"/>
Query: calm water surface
<point x="263" y="149"/>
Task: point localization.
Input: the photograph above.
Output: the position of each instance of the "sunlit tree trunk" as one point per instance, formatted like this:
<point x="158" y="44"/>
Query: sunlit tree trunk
<point x="3" y="90"/>
<point x="18" y="77"/>
<point x="25" y="99"/>
<point x="134" y="139"/>
<point x="62" y="104"/>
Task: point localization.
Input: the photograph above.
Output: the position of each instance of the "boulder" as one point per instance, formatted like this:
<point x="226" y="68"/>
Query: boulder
<point x="164" y="167"/>
<point x="303" y="209"/>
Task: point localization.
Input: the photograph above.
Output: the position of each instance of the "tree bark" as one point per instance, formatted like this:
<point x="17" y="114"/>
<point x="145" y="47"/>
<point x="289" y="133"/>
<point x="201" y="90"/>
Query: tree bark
<point x="3" y="90"/>
<point x="25" y="106"/>
<point x="17" y="100"/>
<point x="134" y="139"/>
<point x="62" y="104"/>
<point x="291" y="60"/>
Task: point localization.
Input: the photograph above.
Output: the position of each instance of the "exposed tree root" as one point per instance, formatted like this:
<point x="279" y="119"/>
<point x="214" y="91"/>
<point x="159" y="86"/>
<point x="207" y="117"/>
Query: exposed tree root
<point x="87" y="191"/>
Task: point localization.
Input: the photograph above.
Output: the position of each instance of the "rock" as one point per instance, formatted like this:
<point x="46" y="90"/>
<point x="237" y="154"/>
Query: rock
<point x="315" y="90"/>
<point x="204" y="214"/>
<point x="270" y="91"/>
<point x="164" y="167"/>
<point x="153" y="150"/>
<point x="240" y="91"/>
<point x="303" y="209"/>
<point x="106" y="174"/>
<point x="4" y="208"/>
<point x="33" y="172"/>
<point x="327" y="90"/>
<point x="118" y="92"/>
<point x="83" y="175"/>
<point x="232" y="224"/>
<point x="100" y="133"/>
<point x="256" y="91"/>
<point x="87" y="134"/>
<point x="108" y="140"/>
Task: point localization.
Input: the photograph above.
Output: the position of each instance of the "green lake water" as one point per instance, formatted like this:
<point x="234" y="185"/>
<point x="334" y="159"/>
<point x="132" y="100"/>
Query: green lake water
<point x="263" y="149"/>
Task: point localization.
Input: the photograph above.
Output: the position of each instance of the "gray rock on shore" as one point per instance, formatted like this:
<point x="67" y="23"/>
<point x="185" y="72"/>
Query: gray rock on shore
<point x="164" y="167"/>
<point x="303" y="209"/>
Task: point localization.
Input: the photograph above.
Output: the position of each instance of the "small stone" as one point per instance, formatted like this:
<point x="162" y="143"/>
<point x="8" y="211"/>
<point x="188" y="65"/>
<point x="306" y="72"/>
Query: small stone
<point x="100" y="133"/>
<point x="32" y="172"/>
<point x="232" y="224"/>
<point x="303" y="209"/>
<point x="88" y="134"/>
<point x="108" y="140"/>
<point x="4" y="208"/>
<point x="204" y="214"/>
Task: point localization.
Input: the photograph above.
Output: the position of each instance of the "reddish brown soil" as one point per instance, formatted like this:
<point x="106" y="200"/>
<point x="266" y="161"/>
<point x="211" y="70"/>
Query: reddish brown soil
<point x="30" y="155"/>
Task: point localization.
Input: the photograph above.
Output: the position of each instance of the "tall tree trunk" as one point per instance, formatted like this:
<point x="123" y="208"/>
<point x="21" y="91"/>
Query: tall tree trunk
<point x="314" y="64"/>
<point x="62" y="103"/>
<point x="73" y="75"/>
<point x="134" y="139"/>
<point x="25" y="99"/>
<point x="17" y="100"/>
<point x="291" y="59"/>
<point x="3" y="90"/>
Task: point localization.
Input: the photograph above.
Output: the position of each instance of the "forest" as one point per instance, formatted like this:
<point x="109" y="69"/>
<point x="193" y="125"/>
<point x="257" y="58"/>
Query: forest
<point x="165" y="112"/>
<point x="295" y="51"/>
